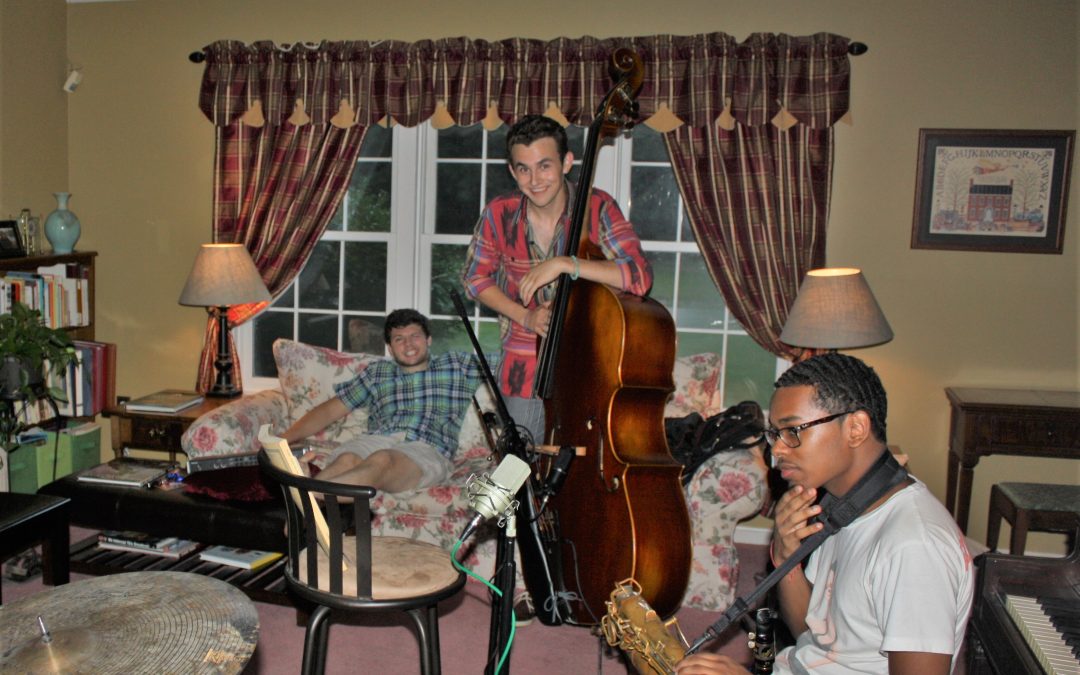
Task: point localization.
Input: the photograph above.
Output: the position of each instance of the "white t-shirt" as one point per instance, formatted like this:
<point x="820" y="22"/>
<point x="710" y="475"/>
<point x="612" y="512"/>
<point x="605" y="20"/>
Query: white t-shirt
<point x="897" y="579"/>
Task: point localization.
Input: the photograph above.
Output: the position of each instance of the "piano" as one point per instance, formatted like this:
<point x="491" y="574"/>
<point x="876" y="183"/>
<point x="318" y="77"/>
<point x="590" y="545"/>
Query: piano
<point x="1018" y="618"/>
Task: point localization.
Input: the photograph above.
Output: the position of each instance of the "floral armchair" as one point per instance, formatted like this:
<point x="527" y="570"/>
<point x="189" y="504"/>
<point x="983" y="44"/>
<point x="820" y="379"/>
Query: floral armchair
<point x="728" y="488"/>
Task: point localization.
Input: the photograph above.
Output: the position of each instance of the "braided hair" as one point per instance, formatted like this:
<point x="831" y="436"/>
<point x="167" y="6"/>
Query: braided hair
<point x="841" y="383"/>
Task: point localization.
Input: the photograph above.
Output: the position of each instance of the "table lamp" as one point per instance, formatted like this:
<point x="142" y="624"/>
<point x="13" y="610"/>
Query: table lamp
<point x="835" y="309"/>
<point x="223" y="275"/>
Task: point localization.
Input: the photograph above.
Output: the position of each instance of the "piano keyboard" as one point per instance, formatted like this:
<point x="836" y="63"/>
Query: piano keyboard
<point x="1051" y="633"/>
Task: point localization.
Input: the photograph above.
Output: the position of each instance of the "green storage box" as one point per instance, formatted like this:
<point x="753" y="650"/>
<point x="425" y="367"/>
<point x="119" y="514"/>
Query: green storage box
<point x="23" y="468"/>
<point x="79" y="448"/>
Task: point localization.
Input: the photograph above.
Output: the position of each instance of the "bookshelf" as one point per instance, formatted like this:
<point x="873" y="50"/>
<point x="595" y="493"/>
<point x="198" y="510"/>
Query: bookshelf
<point x="84" y="259"/>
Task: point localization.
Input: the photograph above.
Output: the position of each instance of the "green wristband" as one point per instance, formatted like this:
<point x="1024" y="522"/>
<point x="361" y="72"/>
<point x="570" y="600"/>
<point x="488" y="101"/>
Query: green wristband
<point x="577" y="268"/>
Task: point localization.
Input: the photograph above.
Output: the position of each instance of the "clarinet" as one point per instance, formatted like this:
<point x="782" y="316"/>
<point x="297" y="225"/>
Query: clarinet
<point x="763" y="641"/>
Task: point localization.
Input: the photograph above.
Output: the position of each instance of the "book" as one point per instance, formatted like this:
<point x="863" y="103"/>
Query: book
<point x="165" y="401"/>
<point x="140" y="542"/>
<point x="126" y="472"/>
<point x="282" y="457"/>
<point x="244" y="558"/>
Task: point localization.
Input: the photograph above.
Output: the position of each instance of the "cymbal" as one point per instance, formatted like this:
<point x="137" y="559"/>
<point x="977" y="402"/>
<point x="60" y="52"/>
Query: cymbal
<point x="139" y="622"/>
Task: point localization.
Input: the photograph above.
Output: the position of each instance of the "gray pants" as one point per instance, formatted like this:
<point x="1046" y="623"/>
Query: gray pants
<point x="528" y="413"/>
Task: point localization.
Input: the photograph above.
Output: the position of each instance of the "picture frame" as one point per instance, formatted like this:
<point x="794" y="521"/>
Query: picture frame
<point x="11" y="243"/>
<point x="992" y="190"/>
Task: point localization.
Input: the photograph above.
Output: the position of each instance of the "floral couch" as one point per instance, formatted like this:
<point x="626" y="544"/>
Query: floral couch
<point x="728" y="488"/>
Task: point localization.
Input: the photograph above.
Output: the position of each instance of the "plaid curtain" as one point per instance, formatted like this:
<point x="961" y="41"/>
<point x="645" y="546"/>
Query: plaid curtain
<point x="757" y="182"/>
<point x="290" y="120"/>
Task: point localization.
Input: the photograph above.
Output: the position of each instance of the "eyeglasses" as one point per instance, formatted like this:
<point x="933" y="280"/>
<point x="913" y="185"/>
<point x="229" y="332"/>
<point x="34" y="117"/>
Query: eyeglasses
<point x="790" y="435"/>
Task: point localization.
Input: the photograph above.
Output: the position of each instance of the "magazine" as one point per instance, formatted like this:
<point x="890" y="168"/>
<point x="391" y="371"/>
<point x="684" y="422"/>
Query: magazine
<point x="126" y="472"/>
<point x="248" y="559"/>
<point x="138" y="542"/>
<point x="165" y="401"/>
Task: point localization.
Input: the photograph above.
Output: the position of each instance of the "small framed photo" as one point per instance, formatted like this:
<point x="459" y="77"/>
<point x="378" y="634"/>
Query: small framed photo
<point x="992" y="190"/>
<point x="11" y="243"/>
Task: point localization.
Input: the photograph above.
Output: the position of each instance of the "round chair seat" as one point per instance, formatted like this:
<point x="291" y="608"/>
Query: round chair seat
<point x="401" y="568"/>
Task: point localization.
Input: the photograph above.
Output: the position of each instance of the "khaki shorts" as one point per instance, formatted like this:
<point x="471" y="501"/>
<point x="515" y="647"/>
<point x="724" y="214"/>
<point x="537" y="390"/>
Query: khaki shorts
<point x="434" y="468"/>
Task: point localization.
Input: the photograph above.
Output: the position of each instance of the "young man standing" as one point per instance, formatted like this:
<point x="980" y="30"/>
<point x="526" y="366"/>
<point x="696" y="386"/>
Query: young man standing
<point x="415" y="404"/>
<point x="515" y="255"/>
<point x="889" y="593"/>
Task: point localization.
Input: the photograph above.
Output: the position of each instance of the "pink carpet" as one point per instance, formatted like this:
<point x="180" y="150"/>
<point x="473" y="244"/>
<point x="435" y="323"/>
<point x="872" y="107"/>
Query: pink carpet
<point x="386" y="643"/>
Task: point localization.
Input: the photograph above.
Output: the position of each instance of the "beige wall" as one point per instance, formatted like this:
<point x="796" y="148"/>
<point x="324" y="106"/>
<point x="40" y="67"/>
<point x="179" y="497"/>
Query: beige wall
<point x="33" y="108"/>
<point x="140" y="169"/>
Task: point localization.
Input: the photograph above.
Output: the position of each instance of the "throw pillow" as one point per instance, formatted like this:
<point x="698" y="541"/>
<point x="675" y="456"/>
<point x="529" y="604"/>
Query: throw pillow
<point x="307" y="375"/>
<point x="697" y="379"/>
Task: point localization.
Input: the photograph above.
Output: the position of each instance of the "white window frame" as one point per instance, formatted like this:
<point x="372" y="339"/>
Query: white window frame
<point x="412" y="234"/>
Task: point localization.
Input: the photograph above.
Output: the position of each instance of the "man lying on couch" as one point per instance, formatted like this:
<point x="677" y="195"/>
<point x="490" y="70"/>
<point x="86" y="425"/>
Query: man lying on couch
<point x="415" y="407"/>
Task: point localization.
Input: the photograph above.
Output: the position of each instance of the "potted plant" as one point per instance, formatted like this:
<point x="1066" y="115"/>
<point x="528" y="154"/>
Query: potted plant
<point x="26" y="346"/>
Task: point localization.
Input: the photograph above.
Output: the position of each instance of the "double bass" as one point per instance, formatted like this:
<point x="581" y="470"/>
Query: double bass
<point x="604" y="372"/>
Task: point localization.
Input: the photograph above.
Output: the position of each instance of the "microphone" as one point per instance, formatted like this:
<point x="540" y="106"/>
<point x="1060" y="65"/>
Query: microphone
<point x="558" y="474"/>
<point x="494" y="496"/>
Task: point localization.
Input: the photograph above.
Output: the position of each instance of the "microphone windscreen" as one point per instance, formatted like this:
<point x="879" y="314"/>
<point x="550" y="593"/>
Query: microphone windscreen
<point x="511" y="474"/>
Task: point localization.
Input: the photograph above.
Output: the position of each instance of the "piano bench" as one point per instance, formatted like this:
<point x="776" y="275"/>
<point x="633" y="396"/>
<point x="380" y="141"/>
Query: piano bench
<point x="1040" y="507"/>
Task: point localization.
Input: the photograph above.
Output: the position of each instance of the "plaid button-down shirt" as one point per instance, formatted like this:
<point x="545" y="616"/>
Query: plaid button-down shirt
<point x="427" y="405"/>
<point x="502" y="252"/>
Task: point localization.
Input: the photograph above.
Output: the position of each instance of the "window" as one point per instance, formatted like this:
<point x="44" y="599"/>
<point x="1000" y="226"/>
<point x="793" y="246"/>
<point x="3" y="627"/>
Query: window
<point x="400" y="236"/>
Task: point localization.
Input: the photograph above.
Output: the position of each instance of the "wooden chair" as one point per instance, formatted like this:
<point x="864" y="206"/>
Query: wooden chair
<point x="355" y="572"/>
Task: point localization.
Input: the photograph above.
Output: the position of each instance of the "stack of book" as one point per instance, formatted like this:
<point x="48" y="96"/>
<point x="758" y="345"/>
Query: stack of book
<point x="138" y="542"/>
<point x="61" y="292"/>
<point x="243" y="558"/>
<point x="165" y="401"/>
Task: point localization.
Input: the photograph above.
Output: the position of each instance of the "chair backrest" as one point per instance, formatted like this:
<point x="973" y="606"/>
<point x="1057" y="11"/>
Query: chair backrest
<point x="345" y="506"/>
<point x="279" y="452"/>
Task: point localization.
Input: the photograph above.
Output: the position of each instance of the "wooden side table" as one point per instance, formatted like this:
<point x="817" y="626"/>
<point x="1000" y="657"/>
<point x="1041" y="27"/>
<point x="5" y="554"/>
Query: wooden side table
<point x="158" y="432"/>
<point x="1026" y="422"/>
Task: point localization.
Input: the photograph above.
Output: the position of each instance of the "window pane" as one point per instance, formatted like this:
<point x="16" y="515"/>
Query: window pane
<point x="749" y="372"/>
<point x="268" y="327"/>
<point x="365" y="276"/>
<point x="364" y="334"/>
<point x="320" y="330"/>
<point x="575" y="140"/>
<point x="499" y="181"/>
<point x="648" y="145"/>
<point x="654" y="197"/>
<point x="449" y="335"/>
<point x="497" y="143"/>
<point x="286" y="298"/>
<point x="700" y="303"/>
<point x="368" y="200"/>
<point x="687" y="232"/>
<point x="663" y="287"/>
<point x="462" y="142"/>
<point x="319" y="278"/>
<point x="446" y="263"/>
<point x="378" y="142"/>
<point x="458" y="195"/>
<point x="698" y="343"/>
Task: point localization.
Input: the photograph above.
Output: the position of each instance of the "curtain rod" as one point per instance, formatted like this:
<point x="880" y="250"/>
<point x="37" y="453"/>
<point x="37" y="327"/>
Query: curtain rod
<point x="854" y="48"/>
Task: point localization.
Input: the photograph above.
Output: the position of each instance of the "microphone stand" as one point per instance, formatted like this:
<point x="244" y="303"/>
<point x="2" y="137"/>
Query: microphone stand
<point x="502" y="607"/>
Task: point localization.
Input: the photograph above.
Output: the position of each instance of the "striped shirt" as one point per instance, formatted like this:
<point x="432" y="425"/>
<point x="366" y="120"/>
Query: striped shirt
<point x="427" y="405"/>
<point x="502" y="252"/>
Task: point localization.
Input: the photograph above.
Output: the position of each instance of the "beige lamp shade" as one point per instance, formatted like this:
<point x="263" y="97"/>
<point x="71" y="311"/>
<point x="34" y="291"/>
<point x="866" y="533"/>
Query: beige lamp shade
<point x="835" y="309"/>
<point x="223" y="275"/>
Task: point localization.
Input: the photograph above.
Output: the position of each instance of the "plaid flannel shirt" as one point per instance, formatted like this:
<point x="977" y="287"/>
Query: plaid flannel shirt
<point x="502" y="252"/>
<point x="427" y="405"/>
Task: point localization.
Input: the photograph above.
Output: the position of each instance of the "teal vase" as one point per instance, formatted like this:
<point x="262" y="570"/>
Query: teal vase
<point x="62" y="227"/>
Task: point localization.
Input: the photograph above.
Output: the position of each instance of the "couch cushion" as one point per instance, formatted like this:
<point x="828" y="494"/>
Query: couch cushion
<point x="308" y="374"/>
<point x="697" y="379"/>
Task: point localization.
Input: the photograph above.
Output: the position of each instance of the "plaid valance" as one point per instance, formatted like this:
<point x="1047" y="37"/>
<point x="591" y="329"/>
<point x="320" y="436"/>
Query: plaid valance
<point x="698" y="78"/>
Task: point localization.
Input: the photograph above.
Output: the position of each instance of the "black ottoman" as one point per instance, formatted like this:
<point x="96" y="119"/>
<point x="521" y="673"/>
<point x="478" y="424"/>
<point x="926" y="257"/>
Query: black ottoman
<point x="28" y="519"/>
<point x="244" y="524"/>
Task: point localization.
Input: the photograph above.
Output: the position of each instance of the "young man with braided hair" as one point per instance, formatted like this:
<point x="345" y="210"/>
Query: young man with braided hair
<point x="890" y="592"/>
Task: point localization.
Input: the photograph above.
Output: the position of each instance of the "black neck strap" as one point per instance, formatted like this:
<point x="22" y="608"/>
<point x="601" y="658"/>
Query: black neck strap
<point x="836" y="512"/>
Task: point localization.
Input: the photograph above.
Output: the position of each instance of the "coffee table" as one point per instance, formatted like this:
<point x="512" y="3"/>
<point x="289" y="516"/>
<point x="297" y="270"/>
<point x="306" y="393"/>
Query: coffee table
<point x="28" y="519"/>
